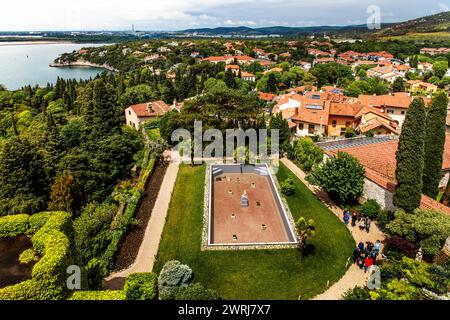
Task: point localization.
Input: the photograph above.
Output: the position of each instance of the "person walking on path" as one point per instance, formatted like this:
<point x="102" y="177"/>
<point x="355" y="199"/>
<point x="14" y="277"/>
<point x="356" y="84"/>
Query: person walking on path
<point x="354" y="218"/>
<point x="368" y="222"/>
<point x="346" y="217"/>
<point x="368" y="262"/>
<point x="361" y="246"/>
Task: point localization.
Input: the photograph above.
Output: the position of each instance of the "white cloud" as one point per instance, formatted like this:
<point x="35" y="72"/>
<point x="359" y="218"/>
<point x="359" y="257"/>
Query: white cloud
<point x="180" y="14"/>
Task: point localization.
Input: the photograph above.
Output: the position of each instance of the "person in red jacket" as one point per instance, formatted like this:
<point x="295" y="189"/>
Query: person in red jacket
<point x="368" y="262"/>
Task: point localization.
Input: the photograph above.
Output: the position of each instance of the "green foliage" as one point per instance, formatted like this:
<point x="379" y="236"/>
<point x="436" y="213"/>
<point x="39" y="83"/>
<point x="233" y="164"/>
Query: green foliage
<point x="48" y="281"/>
<point x="11" y="226"/>
<point x="331" y="73"/>
<point x="369" y="86"/>
<point x="371" y="209"/>
<point x="434" y="144"/>
<point x="307" y="154"/>
<point x="174" y="274"/>
<point x="398" y="85"/>
<point x="440" y="68"/>
<point x="428" y="228"/>
<point x="22" y="180"/>
<point x="141" y="286"/>
<point x="92" y="230"/>
<point x="287" y="187"/>
<point x="96" y="271"/>
<point x="305" y="229"/>
<point x="194" y="292"/>
<point x="278" y="123"/>
<point x="342" y="177"/>
<point x="98" y="295"/>
<point x="28" y="256"/>
<point x="410" y="158"/>
<point x="357" y="293"/>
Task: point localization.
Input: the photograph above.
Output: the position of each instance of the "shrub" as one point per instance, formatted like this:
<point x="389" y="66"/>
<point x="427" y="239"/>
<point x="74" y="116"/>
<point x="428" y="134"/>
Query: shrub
<point x="427" y="228"/>
<point x="141" y="286"/>
<point x="96" y="271"/>
<point x="397" y="243"/>
<point x="12" y="226"/>
<point x="28" y="256"/>
<point x="371" y="209"/>
<point x="48" y="280"/>
<point x="174" y="273"/>
<point x="287" y="187"/>
<point x="357" y="293"/>
<point x="307" y="154"/>
<point x="98" y="295"/>
<point x="342" y="177"/>
<point x="195" y="292"/>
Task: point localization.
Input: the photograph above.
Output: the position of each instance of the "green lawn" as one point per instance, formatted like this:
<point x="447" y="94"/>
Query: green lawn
<point x="257" y="274"/>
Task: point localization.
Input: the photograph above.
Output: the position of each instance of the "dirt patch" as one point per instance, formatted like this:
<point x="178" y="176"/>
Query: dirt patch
<point x="11" y="270"/>
<point x="130" y="246"/>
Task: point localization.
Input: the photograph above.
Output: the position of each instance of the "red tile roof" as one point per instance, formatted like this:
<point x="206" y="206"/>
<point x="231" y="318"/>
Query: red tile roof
<point x="345" y="109"/>
<point x="157" y="108"/>
<point x="266" y="96"/>
<point x="398" y="100"/>
<point x="308" y="113"/>
<point x="429" y="203"/>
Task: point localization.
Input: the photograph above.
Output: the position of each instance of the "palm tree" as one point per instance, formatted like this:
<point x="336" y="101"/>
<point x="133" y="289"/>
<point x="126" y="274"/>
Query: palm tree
<point x="306" y="231"/>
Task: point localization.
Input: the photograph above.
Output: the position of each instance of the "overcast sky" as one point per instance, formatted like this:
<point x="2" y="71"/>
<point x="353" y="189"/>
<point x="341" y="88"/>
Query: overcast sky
<point x="19" y="15"/>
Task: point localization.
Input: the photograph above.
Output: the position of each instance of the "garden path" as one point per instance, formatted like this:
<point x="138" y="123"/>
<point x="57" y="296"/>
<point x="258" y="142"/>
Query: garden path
<point x="354" y="276"/>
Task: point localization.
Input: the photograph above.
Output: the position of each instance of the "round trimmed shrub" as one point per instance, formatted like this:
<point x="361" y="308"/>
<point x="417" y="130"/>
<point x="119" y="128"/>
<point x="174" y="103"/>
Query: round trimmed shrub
<point x="174" y="273"/>
<point x="141" y="286"/>
<point x="287" y="187"/>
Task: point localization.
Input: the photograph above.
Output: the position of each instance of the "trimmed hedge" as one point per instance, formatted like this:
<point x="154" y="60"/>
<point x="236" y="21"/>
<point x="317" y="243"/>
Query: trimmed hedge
<point x="51" y="241"/>
<point x="141" y="286"/>
<point x="98" y="295"/>
<point x="12" y="226"/>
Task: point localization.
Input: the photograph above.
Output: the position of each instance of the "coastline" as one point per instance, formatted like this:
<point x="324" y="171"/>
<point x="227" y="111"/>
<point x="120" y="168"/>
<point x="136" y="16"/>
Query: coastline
<point x="31" y="43"/>
<point x="82" y="63"/>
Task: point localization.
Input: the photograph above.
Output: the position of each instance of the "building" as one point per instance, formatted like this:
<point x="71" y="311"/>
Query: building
<point x="323" y="60"/>
<point x="234" y="68"/>
<point x="342" y="116"/>
<point x="247" y="76"/>
<point x="387" y="72"/>
<point x="137" y="114"/>
<point x="305" y="65"/>
<point x="378" y="156"/>
<point x="419" y="85"/>
<point x="395" y="105"/>
<point x="373" y="120"/>
<point x="434" y="51"/>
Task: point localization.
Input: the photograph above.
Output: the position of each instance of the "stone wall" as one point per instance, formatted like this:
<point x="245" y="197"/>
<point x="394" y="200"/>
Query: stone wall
<point x="381" y="195"/>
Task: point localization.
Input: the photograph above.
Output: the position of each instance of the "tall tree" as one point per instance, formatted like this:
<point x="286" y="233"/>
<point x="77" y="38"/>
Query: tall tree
<point x="272" y="83"/>
<point x="410" y="158"/>
<point x="398" y="85"/>
<point x="434" y="144"/>
<point x="306" y="230"/>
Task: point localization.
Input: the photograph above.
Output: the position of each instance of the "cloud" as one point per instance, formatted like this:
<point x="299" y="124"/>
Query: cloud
<point x="180" y="14"/>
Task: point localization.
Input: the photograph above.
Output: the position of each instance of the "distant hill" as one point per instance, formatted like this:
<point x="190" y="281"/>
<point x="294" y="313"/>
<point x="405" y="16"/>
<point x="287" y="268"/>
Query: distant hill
<point x="276" y="30"/>
<point x="437" y="23"/>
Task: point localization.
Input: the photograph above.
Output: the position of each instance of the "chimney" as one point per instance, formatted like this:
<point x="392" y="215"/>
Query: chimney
<point x="149" y="107"/>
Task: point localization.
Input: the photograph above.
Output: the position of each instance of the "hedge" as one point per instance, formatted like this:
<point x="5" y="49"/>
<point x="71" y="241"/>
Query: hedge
<point x="141" y="286"/>
<point x="98" y="295"/>
<point x="12" y="226"/>
<point x="51" y="241"/>
<point x="130" y="212"/>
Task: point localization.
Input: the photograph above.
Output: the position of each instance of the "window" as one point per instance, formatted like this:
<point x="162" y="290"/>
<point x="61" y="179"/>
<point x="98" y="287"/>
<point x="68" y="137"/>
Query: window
<point x="311" y="129"/>
<point x="403" y="112"/>
<point x="129" y="112"/>
<point x="301" y="126"/>
<point x="334" y="123"/>
<point x="390" y="111"/>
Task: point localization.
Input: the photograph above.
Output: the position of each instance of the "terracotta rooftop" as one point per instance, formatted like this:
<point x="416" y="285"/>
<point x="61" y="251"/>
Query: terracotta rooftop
<point x="266" y="96"/>
<point x="151" y="109"/>
<point x="379" y="159"/>
<point x="345" y="109"/>
<point x="397" y="100"/>
<point x="429" y="203"/>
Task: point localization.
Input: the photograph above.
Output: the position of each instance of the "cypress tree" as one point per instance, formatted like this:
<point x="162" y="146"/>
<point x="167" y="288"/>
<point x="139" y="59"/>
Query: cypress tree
<point x="434" y="144"/>
<point x="410" y="158"/>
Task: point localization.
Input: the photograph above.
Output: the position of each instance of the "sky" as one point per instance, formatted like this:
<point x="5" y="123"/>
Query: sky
<point x="39" y="15"/>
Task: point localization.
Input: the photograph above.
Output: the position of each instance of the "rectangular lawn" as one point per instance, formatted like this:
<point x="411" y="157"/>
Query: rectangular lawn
<point x="257" y="274"/>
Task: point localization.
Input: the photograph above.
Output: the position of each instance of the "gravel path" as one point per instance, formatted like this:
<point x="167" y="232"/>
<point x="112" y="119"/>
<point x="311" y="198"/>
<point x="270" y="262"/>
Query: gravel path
<point x="354" y="276"/>
<point x="150" y="244"/>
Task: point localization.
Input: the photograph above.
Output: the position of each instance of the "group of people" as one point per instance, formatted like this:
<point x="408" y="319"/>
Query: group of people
<point x="366" y="254"/>
<point x="364" y="222"/>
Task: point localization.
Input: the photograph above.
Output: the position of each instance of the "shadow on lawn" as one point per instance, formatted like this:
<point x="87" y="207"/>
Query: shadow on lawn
<point x="309" y="249"/>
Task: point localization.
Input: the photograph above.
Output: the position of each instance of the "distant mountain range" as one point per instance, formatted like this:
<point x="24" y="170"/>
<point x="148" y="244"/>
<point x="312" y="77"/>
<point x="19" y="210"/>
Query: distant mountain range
<point x="430" y="24"/>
